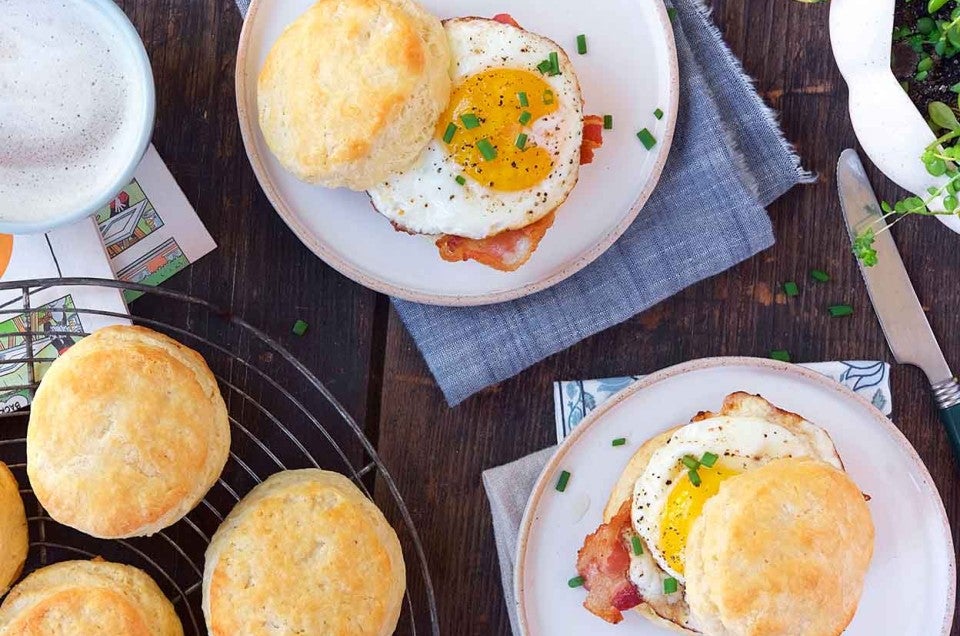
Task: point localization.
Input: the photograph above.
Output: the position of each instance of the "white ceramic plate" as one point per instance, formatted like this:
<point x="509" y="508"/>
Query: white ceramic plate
<point x="891" y="130"/>
<point x="629" y="71"/>
<point x="911" y="583"/>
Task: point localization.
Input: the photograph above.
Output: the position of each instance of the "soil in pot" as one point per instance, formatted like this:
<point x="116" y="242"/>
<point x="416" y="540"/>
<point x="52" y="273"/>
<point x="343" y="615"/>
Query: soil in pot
<point x="914" y="41"/>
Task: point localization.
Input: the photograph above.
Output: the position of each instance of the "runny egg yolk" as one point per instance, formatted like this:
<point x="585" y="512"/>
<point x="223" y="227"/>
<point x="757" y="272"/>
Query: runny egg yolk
<point x="684" y="505"/>
<point x="494" y="98"/>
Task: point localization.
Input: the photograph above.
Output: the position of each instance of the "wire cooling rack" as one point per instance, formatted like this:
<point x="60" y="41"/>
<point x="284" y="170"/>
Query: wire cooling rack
<point x="281" y="417"/>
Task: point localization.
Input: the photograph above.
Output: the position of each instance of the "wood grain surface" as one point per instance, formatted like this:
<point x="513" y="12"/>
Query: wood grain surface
<point x="358" y="346"/>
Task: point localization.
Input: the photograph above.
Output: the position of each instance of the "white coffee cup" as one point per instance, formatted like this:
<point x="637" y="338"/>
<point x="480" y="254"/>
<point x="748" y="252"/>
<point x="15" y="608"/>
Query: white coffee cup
<point x="77" y="106"/>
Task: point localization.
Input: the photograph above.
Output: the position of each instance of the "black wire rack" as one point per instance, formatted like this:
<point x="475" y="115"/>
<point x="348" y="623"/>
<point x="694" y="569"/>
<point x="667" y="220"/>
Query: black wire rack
<point x="281" y="417"/>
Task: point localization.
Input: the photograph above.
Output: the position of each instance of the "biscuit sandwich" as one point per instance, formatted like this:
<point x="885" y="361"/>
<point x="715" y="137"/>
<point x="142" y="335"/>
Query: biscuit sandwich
<point x="127" y="433"/>
<point x="740" y="523"/>
<point x="305" y="552"/>
<point x="470" y="132"/>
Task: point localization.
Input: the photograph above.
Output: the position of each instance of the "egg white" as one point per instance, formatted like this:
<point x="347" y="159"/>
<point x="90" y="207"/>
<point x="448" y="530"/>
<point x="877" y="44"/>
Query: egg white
<point x="743" y="443"/>
<point x="426" y="199"/>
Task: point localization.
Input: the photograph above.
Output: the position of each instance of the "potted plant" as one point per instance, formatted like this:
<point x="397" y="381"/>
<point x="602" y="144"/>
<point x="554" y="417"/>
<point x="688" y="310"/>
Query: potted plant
<point x="898" y="58"/>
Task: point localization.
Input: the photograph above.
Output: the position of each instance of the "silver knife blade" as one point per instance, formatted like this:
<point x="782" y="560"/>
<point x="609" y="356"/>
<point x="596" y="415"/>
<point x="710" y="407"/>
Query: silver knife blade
<point x="901" y="317"/>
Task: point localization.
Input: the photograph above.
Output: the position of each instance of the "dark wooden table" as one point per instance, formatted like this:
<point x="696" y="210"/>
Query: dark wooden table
<point x="359" y="348"/>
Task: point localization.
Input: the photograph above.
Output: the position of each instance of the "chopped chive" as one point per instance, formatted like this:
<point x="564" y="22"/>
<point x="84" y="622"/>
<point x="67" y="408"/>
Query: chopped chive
<point x="562" y="481"/>
<point x="636" y="545"/>
<point x="300" y="328"/>
<point x="690" y="462"/>
<point x="486" y="149"/>
<point x="608" y="122"/>
<point x="819" y="275"/>
<point x="548" y="96"/>
<point x="554" y="63"/>
<point x="658" y="114"/>
<point x="620" y="441"/>
<point x="545" y="66"/>
<point x="840" y="310"/>
<point x="780" y="354"/>
<point x="521" y="141"/>
<point x="525" y="117"/>
<point x="790" y="288"/>
<point x="576" y="581"/>
<point x="582" y="44"/>
<point x="470" y="121"/>
<point x="694" y="478"/>
<point x="648" y="140"/>
<point x="669" y="585"/>
<point x="450" y="132"/>
<point x="671" y="13"/>
<point x="523" y="99"/>
<point x="709" y="459"/>
<point x="460" y="179"/>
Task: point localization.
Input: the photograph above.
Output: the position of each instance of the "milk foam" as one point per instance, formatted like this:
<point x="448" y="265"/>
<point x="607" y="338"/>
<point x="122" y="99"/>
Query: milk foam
<point x="71" y="104"/>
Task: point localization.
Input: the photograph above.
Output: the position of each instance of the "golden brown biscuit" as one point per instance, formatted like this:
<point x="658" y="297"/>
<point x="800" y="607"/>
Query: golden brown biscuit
<point x="352" y="90"/>
<point x="780" y="550"/>
<point x="127" y="433"/>
<point x="88" y="598"/>
<point x="305" y="552"/>
<point x="13" y="530"/>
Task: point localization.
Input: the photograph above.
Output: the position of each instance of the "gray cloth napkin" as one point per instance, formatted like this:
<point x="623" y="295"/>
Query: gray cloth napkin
<point x="729" y="160"/>
<point x="508" y="488"/>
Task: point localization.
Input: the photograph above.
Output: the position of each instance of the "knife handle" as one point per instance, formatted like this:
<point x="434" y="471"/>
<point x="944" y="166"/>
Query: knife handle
<point x="947" y="396"/>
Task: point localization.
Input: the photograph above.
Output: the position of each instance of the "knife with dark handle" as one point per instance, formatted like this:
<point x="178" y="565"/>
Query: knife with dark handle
<point x="901" y="317"/>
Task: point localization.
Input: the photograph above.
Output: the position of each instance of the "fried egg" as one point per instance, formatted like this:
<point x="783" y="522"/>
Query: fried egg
<point x="507" y="150"/>
<point x="668" y="499"/>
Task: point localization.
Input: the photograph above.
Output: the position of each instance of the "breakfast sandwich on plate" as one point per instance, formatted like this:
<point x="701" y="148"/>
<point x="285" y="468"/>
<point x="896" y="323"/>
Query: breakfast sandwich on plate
<point x="471" y="131"/>
<point x="742" y="522"/>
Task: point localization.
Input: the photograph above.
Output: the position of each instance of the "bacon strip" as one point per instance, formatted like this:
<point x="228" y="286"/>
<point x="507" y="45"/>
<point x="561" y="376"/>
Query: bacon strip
<point x="505" y="251"/>
<point x="604" y="564"/>
<point x="592" y="137"/>
<point x="506" y="18"/>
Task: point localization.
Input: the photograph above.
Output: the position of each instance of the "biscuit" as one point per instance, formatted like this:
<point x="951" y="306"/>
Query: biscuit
<point x="127" y="433"/>
<point x="353" y="89"/>
<point x="13" y="530"/>
<point x="305" y="552"/>
<point x="780" y="550"/>
<point x="89" y="598"/>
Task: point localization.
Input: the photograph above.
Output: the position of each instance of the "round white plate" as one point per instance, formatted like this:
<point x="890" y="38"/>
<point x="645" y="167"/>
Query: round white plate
<point x="910" y="587"/>
<point x="861" y="35"/>
<point x="629" y="72"/>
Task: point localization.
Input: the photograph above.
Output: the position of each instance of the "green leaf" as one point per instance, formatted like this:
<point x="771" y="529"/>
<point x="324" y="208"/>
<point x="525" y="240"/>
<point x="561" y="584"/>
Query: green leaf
<point x="863" y="248"/>
<point x="936" y="167"/>
<point x="935" y="5"/>
<point x="950" y="203"/>
<point x="943" y="116"/>
<point x="914" y="204"/>
<point x="954" y="35"/>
